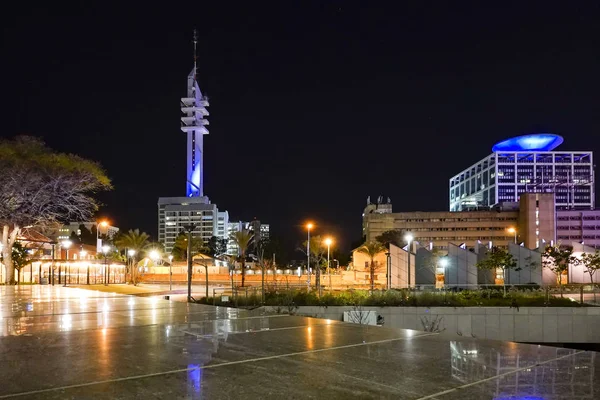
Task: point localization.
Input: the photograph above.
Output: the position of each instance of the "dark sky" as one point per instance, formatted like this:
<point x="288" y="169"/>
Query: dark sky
<point x="314" y="104"/>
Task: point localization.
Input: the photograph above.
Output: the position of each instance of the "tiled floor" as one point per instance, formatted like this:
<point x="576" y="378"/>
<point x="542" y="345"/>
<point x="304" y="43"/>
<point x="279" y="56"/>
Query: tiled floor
<point x="58" y="343"/>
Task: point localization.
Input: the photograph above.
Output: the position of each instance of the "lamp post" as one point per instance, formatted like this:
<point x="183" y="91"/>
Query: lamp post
<point x="514" y="231"/>
<point x="105" y="250"/>
<point x="328" y="242"/>
<point x="66" y="244"/>
<point x="309" y="226"/>
<point x="409" y="238"/>
<point x="170" y="272"/>
<point x="388" y="270"/>
<point x="98" y="225"/>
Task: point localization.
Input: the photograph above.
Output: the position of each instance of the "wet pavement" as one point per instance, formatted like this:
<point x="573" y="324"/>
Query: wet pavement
<point x="68" y="343"/>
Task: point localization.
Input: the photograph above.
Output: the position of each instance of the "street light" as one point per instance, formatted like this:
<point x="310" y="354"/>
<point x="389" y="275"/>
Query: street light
<point x="105" y="250"/>
<point x="103" y="224"/>
<point x="328" y="242"/>
<point x="513" y="230"/>
<point x="66" y="244"/>
<point x="309" y="226"/>
<point x="409" y="238"/>
<point x="171" y="272"/>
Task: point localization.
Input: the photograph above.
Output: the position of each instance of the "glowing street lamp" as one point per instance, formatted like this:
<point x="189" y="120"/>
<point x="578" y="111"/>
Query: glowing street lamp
<point x="514" y="231"/>
<point x="103" y="224"/>
<point x="309" y="226"/>
<point x="154" y="255"/>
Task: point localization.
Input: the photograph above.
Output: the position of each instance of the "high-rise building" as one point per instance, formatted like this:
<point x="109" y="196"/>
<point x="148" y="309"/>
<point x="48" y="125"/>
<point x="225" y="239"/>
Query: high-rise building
<point x="178" y="214"/>
<point x="253" y="226"/>
<point x="526" y="164"/>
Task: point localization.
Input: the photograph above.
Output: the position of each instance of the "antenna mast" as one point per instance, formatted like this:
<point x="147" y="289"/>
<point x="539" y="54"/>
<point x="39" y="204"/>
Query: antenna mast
<point x="195" y="52"/>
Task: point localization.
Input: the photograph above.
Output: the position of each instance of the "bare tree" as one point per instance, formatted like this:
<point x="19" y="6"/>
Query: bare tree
<point x="41" y="187"/>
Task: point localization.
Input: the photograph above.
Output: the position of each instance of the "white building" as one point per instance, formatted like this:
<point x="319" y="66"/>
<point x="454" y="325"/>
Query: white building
<point x="175" y="214"/>
<point x="526" y="164"/>
<point x="232" y="227"/>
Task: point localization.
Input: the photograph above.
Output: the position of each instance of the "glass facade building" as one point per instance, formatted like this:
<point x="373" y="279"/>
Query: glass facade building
<point x="504" y="176"/>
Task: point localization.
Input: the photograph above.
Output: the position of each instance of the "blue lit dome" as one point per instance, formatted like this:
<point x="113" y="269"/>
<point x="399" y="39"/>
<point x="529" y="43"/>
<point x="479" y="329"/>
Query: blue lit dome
<point x="533" y="142"/>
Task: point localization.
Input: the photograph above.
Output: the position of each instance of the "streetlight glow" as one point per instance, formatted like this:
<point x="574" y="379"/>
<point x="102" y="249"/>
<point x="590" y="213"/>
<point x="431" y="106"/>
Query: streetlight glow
<point x="105" y="248"/>
<point x="511" y="230"/>
<point x="408" y="237"/>
<point x="328" y="241"/>
<point x="443" y="262"/>
<point x="131" y="252"/>
<point x="309" y="226"/>
<point x="103" y="224"/>
<point x="154" y="255"/>
<point x="66" y="244"/>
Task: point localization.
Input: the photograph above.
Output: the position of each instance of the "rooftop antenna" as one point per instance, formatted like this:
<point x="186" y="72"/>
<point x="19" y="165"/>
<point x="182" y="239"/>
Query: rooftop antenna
<point x="195" y="52"/>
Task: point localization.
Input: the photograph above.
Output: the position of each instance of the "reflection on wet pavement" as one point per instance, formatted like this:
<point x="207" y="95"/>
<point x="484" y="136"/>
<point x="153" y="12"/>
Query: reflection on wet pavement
<point x="60" y="343"/>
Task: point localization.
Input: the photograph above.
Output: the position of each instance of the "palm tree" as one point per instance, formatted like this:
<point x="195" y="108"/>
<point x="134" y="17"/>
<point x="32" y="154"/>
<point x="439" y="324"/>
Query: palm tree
<point x="242" y="239"/>
<point x="133" y="240"/>
<point x="181" y="245"/>
<point x="371" y="250"/>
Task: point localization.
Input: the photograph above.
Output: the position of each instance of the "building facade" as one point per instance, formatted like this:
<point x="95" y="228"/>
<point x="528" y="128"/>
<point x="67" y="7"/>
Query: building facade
<point x="582" y="226"/>
<point x="531" y="222"/>
<point x="526" y="164"/>
<point x="252" y="226"/>
<point x="176" y="214"/>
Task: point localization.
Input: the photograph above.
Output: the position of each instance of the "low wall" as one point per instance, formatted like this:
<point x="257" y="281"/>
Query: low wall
<point x="528" y="324"/>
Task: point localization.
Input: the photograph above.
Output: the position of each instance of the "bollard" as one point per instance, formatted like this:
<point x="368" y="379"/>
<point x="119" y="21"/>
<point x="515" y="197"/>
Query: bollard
<point x="581" y="294"/>
<point x="167" y="297"/>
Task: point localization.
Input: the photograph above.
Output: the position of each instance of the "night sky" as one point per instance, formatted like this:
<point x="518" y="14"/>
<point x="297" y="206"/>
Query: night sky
<point x="315" y="105"/>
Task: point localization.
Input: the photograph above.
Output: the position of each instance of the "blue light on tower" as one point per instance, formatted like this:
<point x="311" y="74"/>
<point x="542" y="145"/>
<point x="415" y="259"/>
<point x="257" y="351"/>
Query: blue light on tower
<point x="533" y="142"/>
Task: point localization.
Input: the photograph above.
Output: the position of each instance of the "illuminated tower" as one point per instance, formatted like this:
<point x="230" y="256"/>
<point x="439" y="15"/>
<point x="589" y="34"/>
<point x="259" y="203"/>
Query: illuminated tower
<point x="193" y="123"/>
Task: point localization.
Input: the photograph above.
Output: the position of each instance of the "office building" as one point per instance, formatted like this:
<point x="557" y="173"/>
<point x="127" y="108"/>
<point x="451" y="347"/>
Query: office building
<point x="439" y="228"/>
<point x="526" y="164"/>
<point x="195" y="211"/>
<point x="252" y="226"/>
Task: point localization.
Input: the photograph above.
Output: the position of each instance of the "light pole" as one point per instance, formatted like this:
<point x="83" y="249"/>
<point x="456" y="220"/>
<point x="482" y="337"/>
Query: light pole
<point x="98" y="225"/>
<point x="513" y="230"/>
<point x="170" y="272"/>
<point x="328" y="242"/>
<point x="66" y="244"/>
<point x="388" y="270"/>
<point x="105" y="250"/>
<point x="309" y="226"/>
<point x="409" y="238"/>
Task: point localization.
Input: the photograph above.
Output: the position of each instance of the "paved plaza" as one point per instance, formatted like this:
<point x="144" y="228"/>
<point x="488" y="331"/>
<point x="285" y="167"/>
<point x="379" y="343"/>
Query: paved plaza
<point x="69" y="343"/>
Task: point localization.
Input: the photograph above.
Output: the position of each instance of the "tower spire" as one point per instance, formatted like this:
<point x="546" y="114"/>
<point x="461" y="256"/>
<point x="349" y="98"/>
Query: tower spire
<point x="195" y="51"/>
